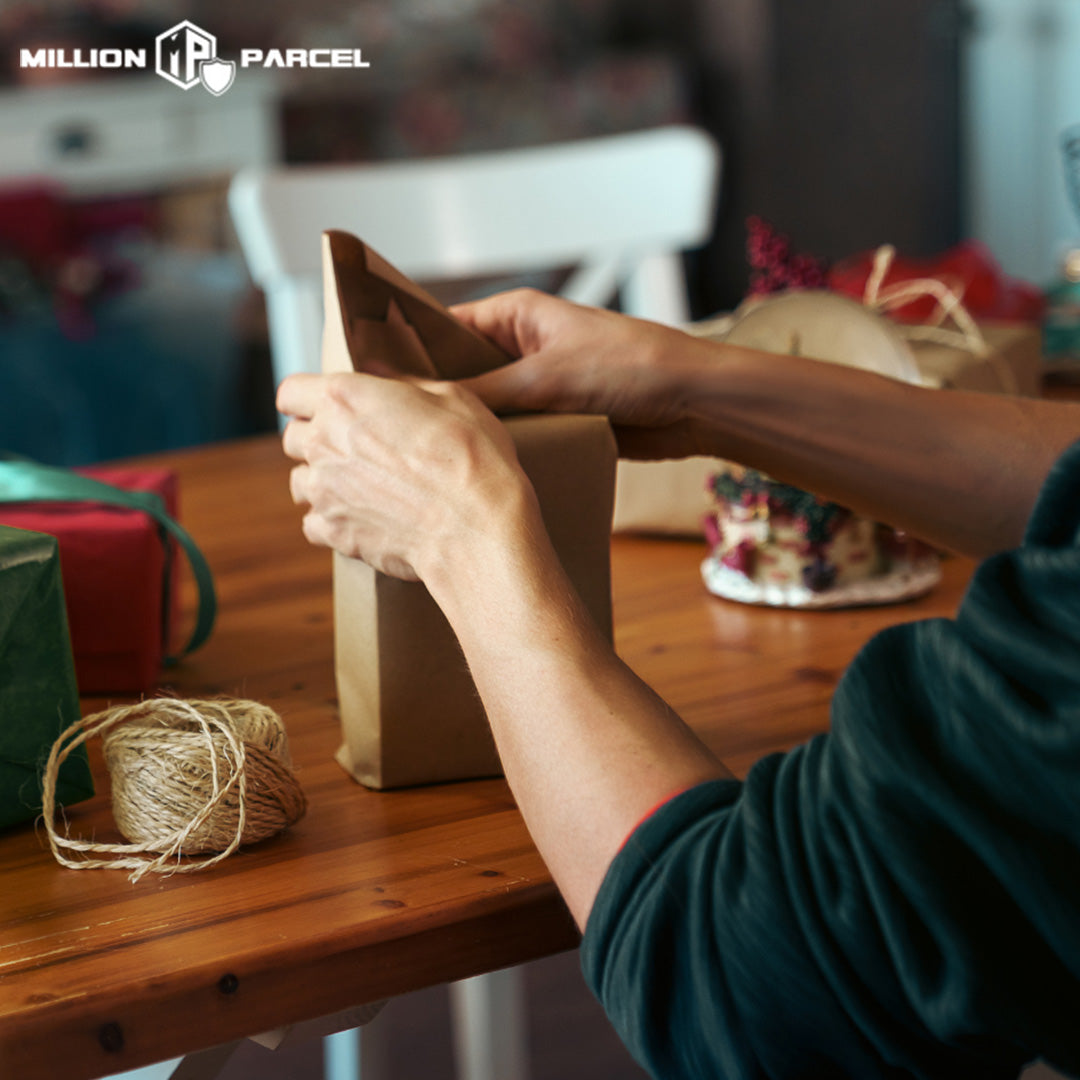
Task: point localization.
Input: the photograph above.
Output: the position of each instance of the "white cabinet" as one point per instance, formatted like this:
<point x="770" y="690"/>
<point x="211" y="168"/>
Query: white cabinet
<point x="1022" y="88"/>
<point x="135" y="134"/>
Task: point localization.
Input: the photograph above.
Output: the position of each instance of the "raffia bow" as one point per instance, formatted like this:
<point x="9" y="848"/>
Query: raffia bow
<point x="964" y="333"/>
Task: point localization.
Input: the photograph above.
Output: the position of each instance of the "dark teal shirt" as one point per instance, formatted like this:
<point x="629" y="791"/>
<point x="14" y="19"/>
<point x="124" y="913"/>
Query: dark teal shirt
<point x="899" y="897"/>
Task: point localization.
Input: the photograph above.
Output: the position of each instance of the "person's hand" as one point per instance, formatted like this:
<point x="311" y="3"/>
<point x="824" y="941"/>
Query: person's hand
<point x="400" y="473"/>
<point x="581" y="359"/>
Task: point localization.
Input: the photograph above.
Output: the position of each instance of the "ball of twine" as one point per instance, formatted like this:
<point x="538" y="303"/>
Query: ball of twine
<point x="188" y="778"/>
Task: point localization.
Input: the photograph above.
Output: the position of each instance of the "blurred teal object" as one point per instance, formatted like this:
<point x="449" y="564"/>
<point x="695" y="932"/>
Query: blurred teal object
<point x="161" y="370"/>
<point x="38" y="697"/>
<point x="1061" y="324"/>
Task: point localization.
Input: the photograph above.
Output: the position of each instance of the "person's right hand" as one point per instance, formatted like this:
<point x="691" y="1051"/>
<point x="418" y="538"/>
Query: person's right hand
<point x="581" y="359"/>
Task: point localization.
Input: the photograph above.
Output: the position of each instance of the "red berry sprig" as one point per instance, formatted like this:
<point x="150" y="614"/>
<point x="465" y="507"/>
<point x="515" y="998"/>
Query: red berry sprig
<point x="774" y="266"/>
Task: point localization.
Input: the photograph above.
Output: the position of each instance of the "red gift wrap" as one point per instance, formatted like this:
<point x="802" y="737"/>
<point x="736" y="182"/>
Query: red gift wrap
<point x="120" y="580"/>
<point x="968" y="269"/>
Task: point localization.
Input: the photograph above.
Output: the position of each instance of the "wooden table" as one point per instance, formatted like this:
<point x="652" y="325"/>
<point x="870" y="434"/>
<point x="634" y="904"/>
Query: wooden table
<point x="372" y="894"/>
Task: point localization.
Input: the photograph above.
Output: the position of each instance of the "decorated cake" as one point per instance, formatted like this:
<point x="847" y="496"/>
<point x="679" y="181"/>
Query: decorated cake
<point x="776" y="544"/>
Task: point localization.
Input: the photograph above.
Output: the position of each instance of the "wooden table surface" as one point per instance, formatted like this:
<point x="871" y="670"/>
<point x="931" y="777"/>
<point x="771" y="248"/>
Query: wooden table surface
<point x="371" y="894"/>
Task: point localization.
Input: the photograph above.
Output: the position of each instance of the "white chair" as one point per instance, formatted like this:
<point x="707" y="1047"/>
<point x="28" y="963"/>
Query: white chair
<point x="620" y="209"/>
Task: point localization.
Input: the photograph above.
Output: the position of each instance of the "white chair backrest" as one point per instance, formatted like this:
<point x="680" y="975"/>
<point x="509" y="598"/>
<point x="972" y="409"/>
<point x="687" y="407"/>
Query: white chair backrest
<point x="619" y="208"/>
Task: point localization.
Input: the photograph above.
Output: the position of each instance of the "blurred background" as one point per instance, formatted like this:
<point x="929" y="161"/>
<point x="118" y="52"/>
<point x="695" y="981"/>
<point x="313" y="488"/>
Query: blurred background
<point x="127" y="321"/>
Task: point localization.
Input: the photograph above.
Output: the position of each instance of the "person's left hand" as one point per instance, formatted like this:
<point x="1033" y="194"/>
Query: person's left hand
<point x="400" y="473"/>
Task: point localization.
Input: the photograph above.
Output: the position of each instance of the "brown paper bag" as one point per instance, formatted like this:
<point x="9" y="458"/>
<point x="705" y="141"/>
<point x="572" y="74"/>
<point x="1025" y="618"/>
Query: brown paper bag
<point x="1015" y="365"/>
<point x="410" y="713"/>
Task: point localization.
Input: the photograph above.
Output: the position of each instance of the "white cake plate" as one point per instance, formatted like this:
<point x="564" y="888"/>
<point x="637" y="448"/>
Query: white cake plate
<point x="906" y="581"/>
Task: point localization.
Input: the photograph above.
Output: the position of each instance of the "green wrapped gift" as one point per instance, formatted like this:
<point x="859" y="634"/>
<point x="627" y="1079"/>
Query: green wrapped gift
<point x="38" y="697"/>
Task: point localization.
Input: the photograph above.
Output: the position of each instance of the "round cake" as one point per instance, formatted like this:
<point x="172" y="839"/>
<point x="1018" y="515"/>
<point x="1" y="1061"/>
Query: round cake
<point x="776" y="544"/>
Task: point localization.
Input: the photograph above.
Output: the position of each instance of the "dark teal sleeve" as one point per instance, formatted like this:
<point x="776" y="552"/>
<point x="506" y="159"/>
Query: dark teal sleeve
<point x="898" y="898"/>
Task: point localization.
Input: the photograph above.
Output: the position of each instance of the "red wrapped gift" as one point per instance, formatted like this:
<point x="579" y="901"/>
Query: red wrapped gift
<point x="120" y="579"/>
<point x="968" y="269"/>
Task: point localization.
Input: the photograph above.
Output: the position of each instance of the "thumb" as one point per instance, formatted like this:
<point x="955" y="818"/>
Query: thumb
<point x="515" y="320"/>
<point x="495" y="318"/>
<point x="507" y="389"/>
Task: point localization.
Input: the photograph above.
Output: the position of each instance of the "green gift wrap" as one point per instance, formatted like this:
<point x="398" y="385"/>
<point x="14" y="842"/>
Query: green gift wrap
<point x="38" y="697"/>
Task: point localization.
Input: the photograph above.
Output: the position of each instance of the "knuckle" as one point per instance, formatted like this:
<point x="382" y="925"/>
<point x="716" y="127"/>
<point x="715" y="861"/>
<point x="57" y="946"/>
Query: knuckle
<point x="339" y="387"/>
<point x="469" y="441"/>
<point x="316" y="487"/>
<point x="526" y="294"/>
<point x="290" y="437"/>
<point x="312" y="528"/>
<point x="296" y="485"/>
<point x="452" y="392"/>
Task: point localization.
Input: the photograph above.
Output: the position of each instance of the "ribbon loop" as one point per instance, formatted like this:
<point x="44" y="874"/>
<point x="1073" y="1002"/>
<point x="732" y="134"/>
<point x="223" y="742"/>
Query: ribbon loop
<point x="27" y="481"/>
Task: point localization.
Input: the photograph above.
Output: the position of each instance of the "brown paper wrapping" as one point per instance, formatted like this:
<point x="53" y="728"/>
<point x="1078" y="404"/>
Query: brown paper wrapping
<point x="410" y="713"/>
<point x="1017" y="348"/>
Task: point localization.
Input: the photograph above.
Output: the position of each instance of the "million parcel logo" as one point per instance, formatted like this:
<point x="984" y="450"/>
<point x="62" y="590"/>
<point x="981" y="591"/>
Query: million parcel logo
<point x="186" y="55"/>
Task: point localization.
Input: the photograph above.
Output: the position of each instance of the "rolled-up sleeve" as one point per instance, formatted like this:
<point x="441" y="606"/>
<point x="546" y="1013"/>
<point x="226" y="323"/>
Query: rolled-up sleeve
<point x="899" y="897"/>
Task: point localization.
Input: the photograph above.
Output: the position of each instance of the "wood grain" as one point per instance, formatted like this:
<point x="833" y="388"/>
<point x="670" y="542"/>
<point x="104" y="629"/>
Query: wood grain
<point x="372" y="894"/>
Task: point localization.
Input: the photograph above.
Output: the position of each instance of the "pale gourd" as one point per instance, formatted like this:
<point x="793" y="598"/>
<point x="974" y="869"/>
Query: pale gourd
<point x="825" y="326"/>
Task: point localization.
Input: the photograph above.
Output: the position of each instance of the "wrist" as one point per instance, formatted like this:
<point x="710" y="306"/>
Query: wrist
<point x="479" y="529"/>
<point x="504" y="591"/>
<point x="698" y="379"/>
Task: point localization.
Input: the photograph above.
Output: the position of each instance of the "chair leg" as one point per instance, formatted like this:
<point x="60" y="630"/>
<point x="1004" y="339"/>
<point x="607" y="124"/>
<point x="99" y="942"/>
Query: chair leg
<point x="656" y="289"/>
<point x="202" y="1065"/>
<point x="163" y="1070"/>
<point x="341" y="1055"/>
<point x="356" y="1054"/>
<point x="488" y="1018"/>
<point x="206" y="1064"/>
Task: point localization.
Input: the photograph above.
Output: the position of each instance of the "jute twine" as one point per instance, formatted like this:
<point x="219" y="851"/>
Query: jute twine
<point x="188" y="778"/>
<point x="963" y="334"/>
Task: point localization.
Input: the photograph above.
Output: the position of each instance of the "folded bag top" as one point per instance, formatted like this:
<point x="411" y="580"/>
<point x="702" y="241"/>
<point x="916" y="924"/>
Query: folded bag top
<point x="378" y="307"/>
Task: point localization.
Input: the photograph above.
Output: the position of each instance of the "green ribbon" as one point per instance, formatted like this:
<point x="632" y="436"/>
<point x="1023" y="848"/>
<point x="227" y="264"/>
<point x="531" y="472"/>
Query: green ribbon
<point x="27" y="481"/>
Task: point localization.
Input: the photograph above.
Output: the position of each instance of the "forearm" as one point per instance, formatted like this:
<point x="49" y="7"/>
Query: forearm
<point x="588" y="749"/>
<point x="959" y="469"/>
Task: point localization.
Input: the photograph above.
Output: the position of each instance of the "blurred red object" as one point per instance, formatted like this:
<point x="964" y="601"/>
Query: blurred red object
<point x="120" y="580"/>
<point x="774" y="266"/>
<point x="34" y="223"/>
<point x="67" y="252"/>
<point x="40" y="223"/>
<point x="968" y="269"/>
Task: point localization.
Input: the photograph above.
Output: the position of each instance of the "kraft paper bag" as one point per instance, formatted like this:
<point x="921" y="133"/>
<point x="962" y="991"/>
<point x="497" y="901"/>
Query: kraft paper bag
<point x="1015" y="363"/>
<point x="410" y="713"/>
